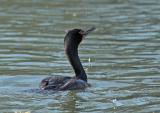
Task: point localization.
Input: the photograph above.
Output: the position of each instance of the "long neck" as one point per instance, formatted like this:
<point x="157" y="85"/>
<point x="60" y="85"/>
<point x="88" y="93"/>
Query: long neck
<point x="72" y="54"/>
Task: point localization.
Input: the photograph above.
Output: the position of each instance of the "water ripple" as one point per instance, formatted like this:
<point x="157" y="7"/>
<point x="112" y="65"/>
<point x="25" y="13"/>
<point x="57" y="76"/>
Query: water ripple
<point x="121" y="57"/>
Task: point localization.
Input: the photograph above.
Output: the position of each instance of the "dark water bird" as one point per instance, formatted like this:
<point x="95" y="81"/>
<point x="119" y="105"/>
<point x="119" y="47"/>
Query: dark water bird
<point x="79" y="81"/>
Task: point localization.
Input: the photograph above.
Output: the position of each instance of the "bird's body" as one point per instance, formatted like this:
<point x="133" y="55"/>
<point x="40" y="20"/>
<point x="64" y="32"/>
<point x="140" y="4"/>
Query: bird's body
<point x="79" y="81"/>
<point x="63" y="83"/>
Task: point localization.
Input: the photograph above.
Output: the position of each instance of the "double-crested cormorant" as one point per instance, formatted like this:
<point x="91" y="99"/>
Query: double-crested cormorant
<point x="71" y="43"/>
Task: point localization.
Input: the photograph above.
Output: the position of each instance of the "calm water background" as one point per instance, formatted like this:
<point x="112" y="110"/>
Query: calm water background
<point x="122" y="57"/>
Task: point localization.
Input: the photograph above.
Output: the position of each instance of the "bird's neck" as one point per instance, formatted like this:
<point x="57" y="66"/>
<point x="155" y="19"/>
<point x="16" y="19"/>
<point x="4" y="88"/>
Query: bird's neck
<point x="72" y="54"/>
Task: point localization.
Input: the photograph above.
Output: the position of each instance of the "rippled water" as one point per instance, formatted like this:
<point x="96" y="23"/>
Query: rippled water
<point x="122" y="57"/>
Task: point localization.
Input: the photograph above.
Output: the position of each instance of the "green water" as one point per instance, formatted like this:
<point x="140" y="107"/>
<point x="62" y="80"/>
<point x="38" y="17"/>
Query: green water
<point x="121" y="58"/>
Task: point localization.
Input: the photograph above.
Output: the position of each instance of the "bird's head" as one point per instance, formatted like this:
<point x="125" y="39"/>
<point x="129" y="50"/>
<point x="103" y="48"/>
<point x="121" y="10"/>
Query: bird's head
<point x="75" y="36"/>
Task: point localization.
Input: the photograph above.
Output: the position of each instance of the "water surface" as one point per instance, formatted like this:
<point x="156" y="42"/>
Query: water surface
<point x="121" y="57"/>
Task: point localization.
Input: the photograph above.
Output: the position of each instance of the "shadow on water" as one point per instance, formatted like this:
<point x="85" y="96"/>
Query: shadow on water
<point x="121" y="57"/>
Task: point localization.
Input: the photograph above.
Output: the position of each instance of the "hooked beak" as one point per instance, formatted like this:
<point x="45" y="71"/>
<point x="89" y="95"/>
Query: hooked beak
<point x="86" y="32"/>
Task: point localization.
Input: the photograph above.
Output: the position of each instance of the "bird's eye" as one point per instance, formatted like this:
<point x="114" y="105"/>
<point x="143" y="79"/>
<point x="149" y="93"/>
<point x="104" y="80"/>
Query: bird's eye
<point x="81" y="32"/>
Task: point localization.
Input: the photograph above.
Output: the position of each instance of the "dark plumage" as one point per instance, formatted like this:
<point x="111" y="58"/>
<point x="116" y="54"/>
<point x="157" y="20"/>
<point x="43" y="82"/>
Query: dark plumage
<point x="79" y="81"/>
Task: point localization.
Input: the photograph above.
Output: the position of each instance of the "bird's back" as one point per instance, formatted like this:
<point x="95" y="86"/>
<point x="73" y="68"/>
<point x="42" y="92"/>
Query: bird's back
<point x="62" y="83"/>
